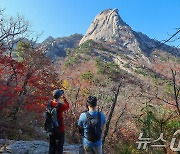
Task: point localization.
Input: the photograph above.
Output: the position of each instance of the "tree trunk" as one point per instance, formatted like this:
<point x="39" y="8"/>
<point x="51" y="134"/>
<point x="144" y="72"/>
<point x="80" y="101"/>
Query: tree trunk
<point x="176" y="90"/>
<point x="111" y="113"/>
<point x="20" y="98"/>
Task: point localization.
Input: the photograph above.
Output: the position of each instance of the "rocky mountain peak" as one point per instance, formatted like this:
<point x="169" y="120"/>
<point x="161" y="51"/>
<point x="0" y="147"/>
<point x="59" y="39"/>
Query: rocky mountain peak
<point x="110" y="28"/>
<point x="107" y="26"/>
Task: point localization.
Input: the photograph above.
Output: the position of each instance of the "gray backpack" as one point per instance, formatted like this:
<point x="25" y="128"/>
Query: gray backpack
<point x="94" y="129"/>
<point x="51" y="123"/>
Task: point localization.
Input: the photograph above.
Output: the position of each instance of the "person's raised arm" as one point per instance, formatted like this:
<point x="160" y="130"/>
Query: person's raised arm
<point x="65" y="105"/>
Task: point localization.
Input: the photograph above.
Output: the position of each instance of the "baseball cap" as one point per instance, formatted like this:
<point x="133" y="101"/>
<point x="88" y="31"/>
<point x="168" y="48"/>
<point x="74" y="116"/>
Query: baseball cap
<point x="57" y="93"/>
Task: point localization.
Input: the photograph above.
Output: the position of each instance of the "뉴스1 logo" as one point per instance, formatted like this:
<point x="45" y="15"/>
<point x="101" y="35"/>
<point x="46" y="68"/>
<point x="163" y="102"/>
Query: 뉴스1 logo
<point x="149" y="141"/>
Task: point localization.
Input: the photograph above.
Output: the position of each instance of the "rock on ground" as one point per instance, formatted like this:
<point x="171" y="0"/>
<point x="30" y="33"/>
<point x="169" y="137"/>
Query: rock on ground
<point x="32" y="147"/>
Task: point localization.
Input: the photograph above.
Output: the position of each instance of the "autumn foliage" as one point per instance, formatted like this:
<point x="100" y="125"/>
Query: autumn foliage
<point x="26" y="84"/>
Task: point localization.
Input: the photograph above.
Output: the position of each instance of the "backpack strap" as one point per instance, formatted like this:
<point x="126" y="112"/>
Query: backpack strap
<point x="88" y="115"/>
<point x="50" y="108"/>
<point x="99" y="117"/>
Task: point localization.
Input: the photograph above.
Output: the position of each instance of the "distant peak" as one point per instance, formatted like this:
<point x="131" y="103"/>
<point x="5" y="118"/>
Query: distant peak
<point x="50" y="38"/>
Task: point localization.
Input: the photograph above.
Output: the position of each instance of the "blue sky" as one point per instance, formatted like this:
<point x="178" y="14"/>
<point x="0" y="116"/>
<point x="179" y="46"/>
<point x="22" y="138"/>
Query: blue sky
<point x="155" y="18"/>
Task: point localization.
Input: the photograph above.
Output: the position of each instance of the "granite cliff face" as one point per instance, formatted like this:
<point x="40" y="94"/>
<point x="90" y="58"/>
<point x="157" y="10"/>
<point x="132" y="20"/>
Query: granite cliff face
<point x="110" y="28"/>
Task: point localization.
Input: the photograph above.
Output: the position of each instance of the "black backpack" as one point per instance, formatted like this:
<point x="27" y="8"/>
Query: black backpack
<point x="51" y="123"/>
<point x="94" y="129"/>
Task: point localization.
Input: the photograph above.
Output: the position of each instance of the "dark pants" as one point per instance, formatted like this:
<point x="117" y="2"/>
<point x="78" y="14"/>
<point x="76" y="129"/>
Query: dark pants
<point x="56" y="143"/>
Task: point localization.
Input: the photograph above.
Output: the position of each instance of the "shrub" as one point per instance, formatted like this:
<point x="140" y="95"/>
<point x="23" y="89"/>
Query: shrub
<point x="88" y="76"/>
